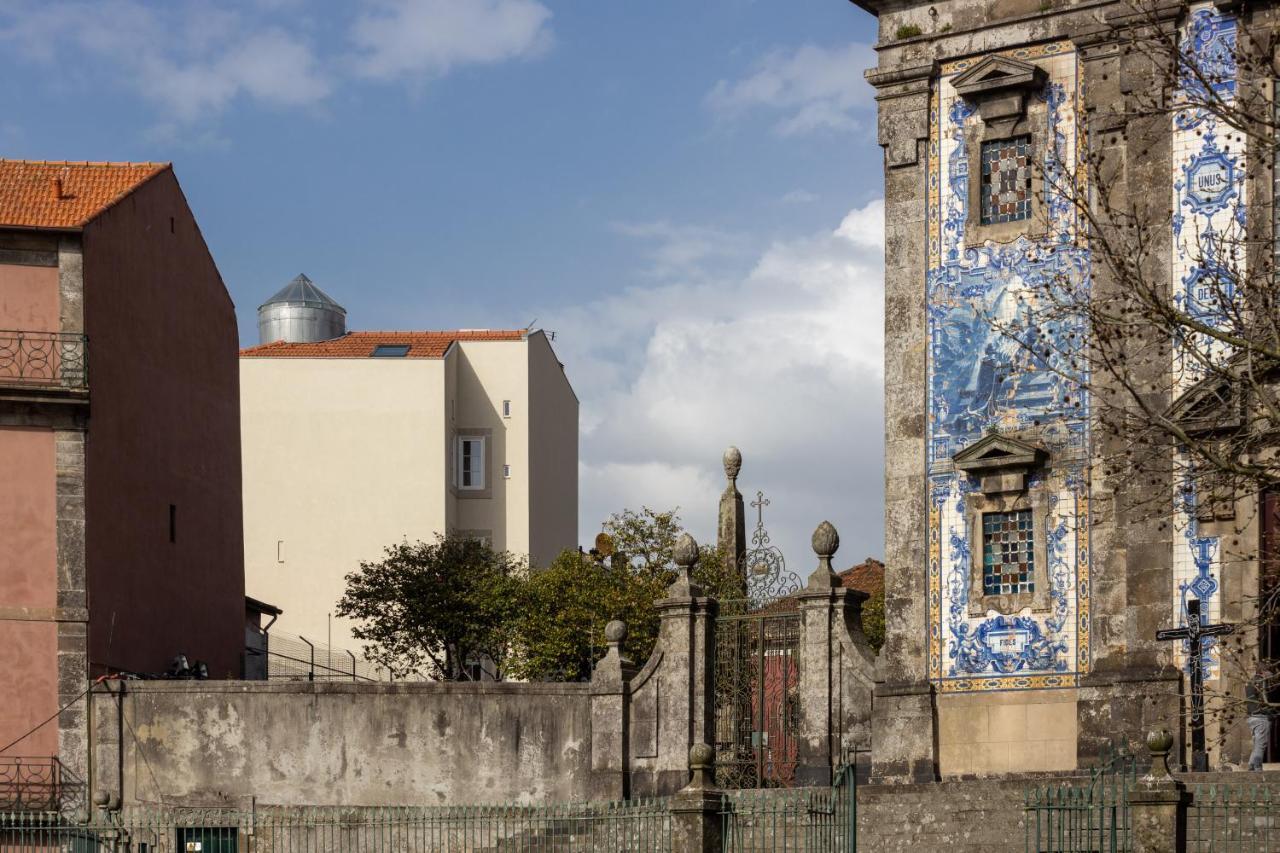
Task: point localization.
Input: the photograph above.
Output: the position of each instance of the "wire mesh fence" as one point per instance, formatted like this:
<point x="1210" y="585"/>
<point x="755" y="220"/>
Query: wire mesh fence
<point x="1234" y="818"/>
<point x="294" y="658"/>
<point x="632" y="826"/>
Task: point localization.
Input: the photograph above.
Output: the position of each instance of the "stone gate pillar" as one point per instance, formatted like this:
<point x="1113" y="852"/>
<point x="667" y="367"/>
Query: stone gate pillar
<point x="669" y="702"/>
<point x="837" y="669"/>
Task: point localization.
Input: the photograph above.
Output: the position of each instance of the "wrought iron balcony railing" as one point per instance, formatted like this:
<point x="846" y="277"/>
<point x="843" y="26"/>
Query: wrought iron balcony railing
<point x="38" y="785"/>
<point x="43" y="359"/>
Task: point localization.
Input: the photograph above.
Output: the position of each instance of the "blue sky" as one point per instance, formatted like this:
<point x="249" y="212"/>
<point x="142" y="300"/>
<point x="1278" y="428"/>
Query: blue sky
<point x="686" y="192"/>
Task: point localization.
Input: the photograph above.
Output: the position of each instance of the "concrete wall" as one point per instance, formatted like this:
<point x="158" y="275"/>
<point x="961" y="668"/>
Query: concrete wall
<point x="216" y="743"/>
<point x="553" y="460"/>
<point x="342" y="457"/>
<point x="28" y="573"/>
<point x="165" y="410"/>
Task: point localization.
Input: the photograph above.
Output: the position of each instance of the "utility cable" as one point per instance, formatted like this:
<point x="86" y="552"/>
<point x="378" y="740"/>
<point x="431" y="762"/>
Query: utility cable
<point x="53" y="717"/>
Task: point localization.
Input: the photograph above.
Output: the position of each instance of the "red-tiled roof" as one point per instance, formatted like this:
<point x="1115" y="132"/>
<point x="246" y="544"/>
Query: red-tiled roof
<point x="362" y="344"/>
<point x="63" y="195"/>
<point x="867" y="576"/>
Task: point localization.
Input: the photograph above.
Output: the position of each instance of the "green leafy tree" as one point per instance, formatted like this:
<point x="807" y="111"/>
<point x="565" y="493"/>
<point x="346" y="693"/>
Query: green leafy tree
<point x="648" y="539"/>
<point x="433" y="607"/>
<point x="567" y="605"/>
<point x="873" y="620"/>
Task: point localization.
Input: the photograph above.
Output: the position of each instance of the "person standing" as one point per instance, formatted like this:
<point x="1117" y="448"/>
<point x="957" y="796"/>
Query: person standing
<point x="1258" y="716"/>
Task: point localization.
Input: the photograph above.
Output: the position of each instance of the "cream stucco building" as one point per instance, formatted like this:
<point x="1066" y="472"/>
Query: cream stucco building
<point x="371" y="438"/>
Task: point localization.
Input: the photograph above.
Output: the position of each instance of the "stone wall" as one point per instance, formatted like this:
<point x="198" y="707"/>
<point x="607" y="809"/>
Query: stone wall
<point x="217" y="743"/>
<point x="970" y="816"/>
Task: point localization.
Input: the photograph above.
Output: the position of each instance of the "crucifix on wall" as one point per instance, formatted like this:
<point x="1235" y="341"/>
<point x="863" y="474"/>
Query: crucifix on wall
<point x="1196" y="635"/>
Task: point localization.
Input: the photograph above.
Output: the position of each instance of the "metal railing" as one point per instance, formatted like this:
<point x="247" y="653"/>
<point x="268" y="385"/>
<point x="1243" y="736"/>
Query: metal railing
<point x="774" y="819"/>
<point x="632" y="826"/>
<point x="1233" y="818"/>
<point x="1090" y="814"/>
<point x="293" y="658"/>
<point x="43" y="359"/>
<point x="38" y="784"/>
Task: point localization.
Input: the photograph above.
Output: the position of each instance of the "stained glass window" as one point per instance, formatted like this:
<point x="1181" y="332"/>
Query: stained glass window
<point x="1007" y="553"/>
<point x="1006" y="180"/>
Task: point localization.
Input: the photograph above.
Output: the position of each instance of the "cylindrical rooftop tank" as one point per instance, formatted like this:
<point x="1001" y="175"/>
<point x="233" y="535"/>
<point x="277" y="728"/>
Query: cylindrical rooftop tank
<point x="301" y="313"/>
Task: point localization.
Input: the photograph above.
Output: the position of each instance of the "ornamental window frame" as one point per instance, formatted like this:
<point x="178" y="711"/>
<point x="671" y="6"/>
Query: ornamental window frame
<point x="1001" y="89"/>
<point x="1001" y="467"/>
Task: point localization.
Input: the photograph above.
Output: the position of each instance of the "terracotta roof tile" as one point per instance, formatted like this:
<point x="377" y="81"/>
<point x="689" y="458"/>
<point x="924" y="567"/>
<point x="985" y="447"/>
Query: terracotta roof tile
<point x="52" y="194"/>
<point x="361" y="344"/>
<point x="867" y="576"/>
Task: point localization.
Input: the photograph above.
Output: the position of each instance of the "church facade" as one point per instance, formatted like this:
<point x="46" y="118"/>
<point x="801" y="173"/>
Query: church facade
<point x="1023" y="591"/>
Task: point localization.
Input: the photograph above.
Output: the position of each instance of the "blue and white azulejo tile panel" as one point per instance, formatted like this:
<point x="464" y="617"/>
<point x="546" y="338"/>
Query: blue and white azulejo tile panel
<point x="981" y="378"/>
<point x="1209" y="211"/>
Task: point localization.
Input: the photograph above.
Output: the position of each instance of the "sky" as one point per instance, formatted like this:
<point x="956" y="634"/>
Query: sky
<point x="688" y="193"/>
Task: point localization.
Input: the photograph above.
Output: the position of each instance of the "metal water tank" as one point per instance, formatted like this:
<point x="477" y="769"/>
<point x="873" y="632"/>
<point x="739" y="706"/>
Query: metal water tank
<point x="301" y="313"/>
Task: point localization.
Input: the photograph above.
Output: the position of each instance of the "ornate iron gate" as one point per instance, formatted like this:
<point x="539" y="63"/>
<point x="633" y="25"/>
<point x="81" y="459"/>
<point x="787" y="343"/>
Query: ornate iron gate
<point x="757" y="671"/>
<point x="757" y="692"/>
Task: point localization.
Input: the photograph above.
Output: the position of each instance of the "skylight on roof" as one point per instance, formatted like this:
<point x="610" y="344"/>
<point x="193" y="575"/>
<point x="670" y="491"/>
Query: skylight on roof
<point x="390" y="351"/>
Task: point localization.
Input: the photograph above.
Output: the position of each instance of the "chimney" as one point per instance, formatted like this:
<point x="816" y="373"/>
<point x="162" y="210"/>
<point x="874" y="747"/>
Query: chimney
<point x="56" y="188"/>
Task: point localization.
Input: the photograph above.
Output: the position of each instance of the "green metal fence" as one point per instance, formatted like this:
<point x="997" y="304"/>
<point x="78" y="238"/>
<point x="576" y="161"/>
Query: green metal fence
<point x="1089" y="814"/>
<point x="633" y="826"/>
<point x="1233" y="818"/>
<point x="805" y="820"/>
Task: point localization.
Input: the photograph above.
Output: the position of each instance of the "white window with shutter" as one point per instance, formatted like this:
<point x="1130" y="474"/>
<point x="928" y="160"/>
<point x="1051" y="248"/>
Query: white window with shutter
<point x="470" y="462"/>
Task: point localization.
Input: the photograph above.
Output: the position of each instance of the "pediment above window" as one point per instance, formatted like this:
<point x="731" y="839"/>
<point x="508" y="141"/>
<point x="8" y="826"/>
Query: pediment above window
<point x="998" y="86"/>
<point x="998" y="75"/>
<point x="1000" y="462"/>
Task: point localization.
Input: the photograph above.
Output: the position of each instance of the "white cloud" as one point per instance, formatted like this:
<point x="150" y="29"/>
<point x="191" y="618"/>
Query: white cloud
<point x="407" y="38"/>
<point x="683" y="250"/>
<point x="810" y="88"/>
<point x="190" y="59"/>
<point x="194" y="59"/>
<point x="799" y="197"/>
<point x="784" y="361"/>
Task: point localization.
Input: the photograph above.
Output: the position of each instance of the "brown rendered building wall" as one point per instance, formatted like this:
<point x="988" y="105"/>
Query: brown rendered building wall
<point x="164" y="428"/>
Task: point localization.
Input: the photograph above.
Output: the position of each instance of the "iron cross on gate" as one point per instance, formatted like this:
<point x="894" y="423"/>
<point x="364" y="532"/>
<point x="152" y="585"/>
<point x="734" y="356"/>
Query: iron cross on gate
<point x="1196" y="634"/>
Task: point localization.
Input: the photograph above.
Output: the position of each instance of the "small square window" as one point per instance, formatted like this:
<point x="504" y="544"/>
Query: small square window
<point x="1005" y="190"/>
<point x="506" y="408"/>
<point x="390" y="351"/>
<point x="1008" y="553"/>
<point x="506" y="471"/>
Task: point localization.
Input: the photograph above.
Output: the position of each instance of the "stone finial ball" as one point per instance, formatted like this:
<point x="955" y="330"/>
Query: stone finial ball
<point x="1159" y="742"/>
<point x="686" y="551"/>
<point x="701" y="755"/>
<point x="615" y="631"/>
<point x="826" y="541"/>
<point x="732" y="462"/>
<point x="101" y="799"/>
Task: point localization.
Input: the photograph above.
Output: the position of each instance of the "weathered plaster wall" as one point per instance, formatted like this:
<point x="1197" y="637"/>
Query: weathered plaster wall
<point x="28" y="293"/>
<point x="218" y="742"/>
<point x="28" y="575"/>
